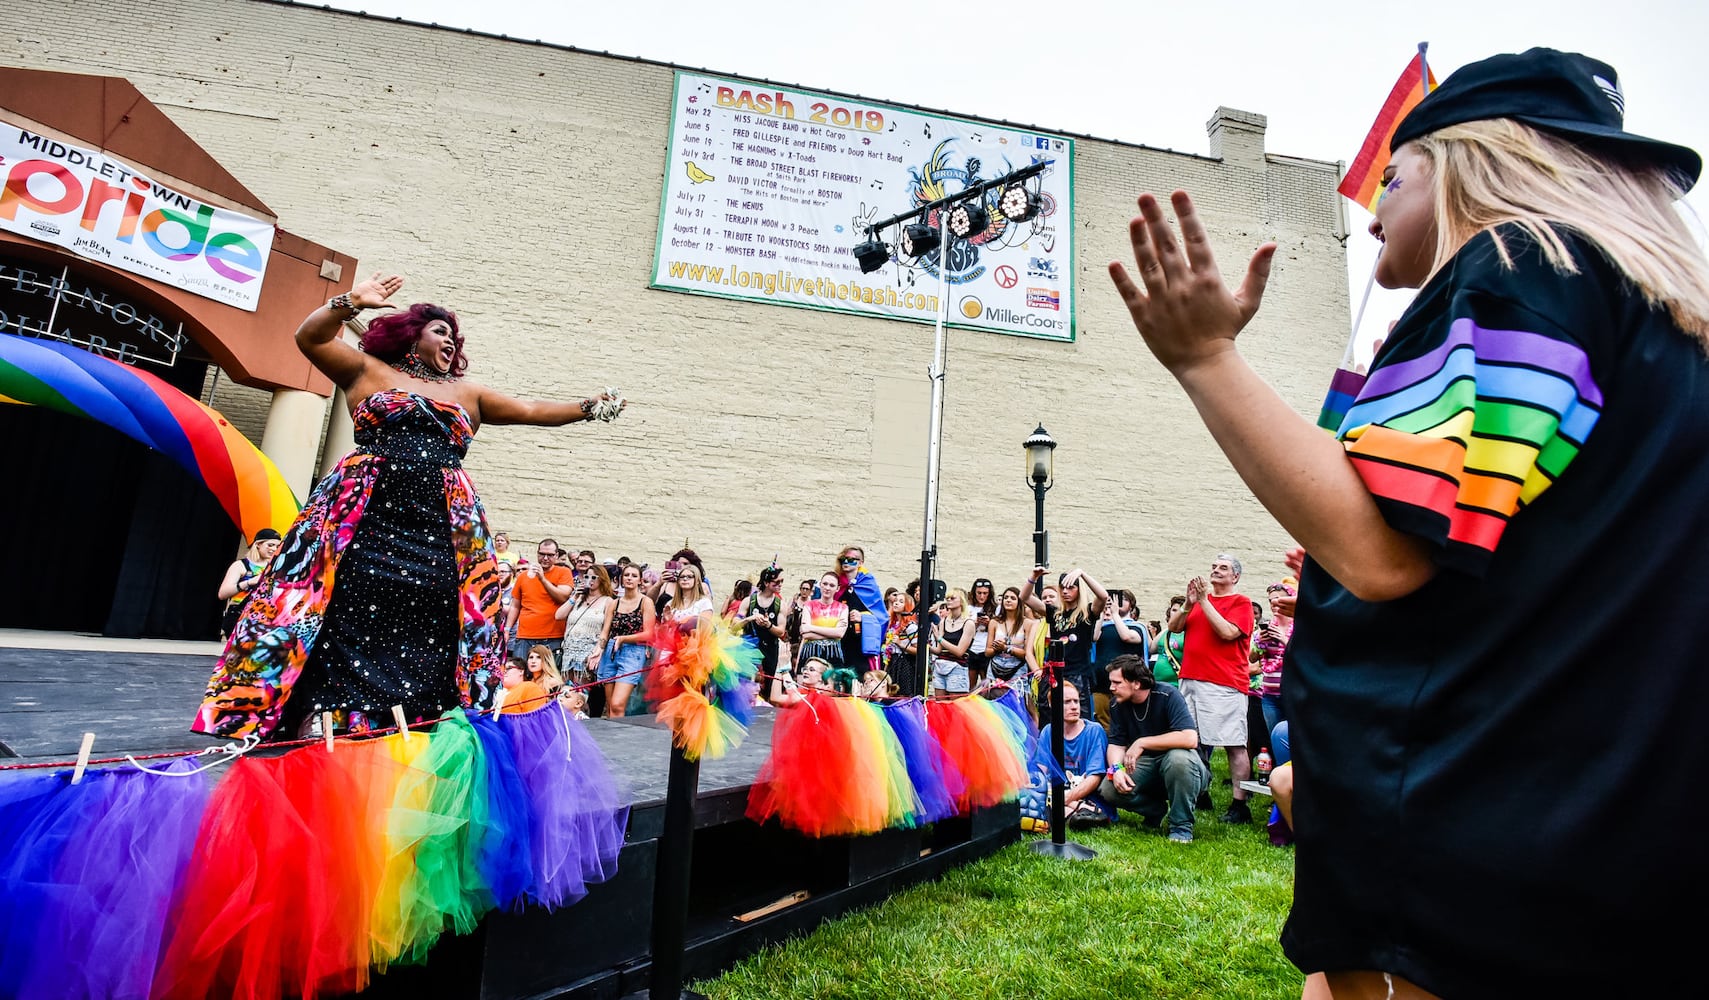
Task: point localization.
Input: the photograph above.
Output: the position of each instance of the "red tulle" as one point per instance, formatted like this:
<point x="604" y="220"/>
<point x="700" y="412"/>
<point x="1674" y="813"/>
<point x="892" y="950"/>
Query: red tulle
<point x="279" y="891"/>
<point x="981" y="754"/>
<point x="807" y="784"/>
<point x="665" y="676"/>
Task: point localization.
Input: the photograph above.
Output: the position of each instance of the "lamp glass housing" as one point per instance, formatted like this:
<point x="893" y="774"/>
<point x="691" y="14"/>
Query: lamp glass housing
<point x="1040" y="452"/>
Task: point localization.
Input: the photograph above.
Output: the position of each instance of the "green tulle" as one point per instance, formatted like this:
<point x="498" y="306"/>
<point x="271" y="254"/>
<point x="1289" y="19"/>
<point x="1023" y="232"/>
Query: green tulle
<point x="422" y="890"/>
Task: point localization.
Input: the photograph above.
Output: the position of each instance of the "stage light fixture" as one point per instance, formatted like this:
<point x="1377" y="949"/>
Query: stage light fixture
<point x="968" y="220"/>
<point x="872" y="254"/>
<point x="919" y="239"/>
<point x="1017" y="203"/>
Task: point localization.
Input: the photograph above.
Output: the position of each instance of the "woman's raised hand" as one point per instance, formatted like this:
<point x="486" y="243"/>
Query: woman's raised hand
<point x="374" y="293"/>
<point x="1185" y="312"/>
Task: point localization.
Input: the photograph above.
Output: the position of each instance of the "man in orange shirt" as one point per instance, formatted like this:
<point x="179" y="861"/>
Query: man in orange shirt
<point x="1214" y="678"/>
<point x="539" y="589"/>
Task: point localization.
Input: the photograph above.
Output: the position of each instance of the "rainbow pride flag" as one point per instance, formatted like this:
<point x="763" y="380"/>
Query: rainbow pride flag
<point x="1364" y="184"/>
<point x="1364" y="180"/>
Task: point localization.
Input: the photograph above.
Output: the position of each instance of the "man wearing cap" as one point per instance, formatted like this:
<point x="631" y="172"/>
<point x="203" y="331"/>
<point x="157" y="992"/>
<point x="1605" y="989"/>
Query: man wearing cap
<point x="241" y="575"/>
<point x="1475" y="812"/>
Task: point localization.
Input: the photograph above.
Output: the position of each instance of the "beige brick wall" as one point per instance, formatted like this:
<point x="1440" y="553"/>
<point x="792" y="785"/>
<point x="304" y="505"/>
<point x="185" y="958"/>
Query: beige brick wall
<point x="520" y="184"/>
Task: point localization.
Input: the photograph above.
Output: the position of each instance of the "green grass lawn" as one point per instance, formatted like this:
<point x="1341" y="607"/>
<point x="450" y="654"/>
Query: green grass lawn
<point x="1145" y="918"/>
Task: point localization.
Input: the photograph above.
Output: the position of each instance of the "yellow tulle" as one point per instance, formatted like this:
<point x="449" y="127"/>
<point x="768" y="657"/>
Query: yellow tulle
<point x="404" y="911"/>
<point x="701" y="728"/>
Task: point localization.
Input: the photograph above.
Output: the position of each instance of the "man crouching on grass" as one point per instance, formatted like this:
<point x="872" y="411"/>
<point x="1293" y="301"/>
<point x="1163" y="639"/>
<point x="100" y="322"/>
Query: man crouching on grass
<point x="1155" y="768"/>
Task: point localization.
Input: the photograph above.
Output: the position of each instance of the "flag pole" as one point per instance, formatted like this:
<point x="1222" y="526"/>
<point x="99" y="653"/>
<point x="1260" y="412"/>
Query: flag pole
<point x="1353" y="338"/>
<point x="1423" y="69"/>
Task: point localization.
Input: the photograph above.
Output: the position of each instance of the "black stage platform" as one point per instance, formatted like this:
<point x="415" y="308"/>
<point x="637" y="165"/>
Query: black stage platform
<point x="600" y="947"/>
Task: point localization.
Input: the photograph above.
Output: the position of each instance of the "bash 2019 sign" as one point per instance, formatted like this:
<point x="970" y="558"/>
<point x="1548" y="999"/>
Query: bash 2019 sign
<point x="767" y="191"/>
<point x="99" y="208"/>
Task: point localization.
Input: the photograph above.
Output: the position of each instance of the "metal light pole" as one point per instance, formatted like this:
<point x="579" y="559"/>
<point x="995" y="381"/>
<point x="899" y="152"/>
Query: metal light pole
<point x="934" y="432"/>
<point x="1040" y="449"/>
<point x="934" y="452"/>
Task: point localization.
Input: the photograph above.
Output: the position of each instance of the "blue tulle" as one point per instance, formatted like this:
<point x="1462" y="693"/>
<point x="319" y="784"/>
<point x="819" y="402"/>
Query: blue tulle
<point x="738" y="702"/>
<point x="1011" y="700"/>
<point x="33" y="894"/>
<point x="935" y="778"/>
<point x="579" y="819"/>
<point x="504" y="851"/>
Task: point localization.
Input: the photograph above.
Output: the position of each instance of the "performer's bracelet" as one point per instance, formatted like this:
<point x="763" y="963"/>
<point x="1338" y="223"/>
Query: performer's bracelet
<point x="587" y="407"/>
<point x="342" y="302"/>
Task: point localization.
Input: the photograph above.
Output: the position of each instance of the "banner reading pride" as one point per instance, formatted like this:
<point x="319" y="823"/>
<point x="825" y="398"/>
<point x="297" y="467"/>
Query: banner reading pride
<point x="767" y="191"/>
<point x="102" y="209"/>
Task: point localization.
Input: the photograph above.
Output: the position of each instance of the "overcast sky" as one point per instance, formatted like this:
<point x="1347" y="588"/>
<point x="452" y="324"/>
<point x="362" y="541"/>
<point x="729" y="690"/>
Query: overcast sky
<point x="1138" y="72"/>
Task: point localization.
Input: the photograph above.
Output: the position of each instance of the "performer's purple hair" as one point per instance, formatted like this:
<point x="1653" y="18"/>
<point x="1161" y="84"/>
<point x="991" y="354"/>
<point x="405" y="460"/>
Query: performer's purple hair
<point x="393" y="335"/>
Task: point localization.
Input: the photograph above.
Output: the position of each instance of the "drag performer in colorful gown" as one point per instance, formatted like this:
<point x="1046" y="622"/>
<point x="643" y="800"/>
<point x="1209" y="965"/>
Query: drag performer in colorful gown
<point x="384" y="591"/>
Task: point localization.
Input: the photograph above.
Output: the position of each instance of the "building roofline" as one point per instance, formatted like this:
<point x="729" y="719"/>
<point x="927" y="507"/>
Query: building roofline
<point x="557" y="46"/>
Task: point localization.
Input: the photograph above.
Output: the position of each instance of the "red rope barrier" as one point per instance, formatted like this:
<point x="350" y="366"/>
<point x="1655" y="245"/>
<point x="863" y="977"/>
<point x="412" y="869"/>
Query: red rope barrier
<point x="289" y="744"/>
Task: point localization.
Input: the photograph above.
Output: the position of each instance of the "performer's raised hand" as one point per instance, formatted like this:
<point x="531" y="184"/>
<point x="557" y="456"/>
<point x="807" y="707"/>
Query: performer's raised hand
<point x="374" y="293"/>
<point x="1185" y="312"/>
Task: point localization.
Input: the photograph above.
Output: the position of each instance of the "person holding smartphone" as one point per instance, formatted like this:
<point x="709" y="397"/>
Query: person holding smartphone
<point x="982" y="603"/>
<point x="1268" y="646"/>
<point x="761" y="616"/>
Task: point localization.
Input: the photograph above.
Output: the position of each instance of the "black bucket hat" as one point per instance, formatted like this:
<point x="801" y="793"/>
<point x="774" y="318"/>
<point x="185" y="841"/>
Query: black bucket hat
<point x="1561" y="92"/>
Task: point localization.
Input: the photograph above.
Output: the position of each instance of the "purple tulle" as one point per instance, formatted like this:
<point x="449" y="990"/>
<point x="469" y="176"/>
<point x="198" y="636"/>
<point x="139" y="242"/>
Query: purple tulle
<point x="505" y="848"/>
<point x="936" y="779"/>
<point x="1011" y="700"/>
<point x="579" y="816"/>
<point x="114" y="884"/>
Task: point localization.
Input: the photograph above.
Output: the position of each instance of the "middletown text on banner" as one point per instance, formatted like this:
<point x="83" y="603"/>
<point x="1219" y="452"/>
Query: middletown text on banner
<point x="97" y="207"/>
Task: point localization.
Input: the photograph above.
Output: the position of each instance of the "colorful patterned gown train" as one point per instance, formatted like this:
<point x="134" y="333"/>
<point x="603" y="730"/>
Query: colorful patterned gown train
<point x="383" y="593"/>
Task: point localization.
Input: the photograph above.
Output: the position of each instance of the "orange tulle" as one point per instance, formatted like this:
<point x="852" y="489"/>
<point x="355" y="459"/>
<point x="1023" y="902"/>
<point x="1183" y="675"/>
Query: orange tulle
<point x="280" y="889"/>
<point x="981" y="750"/>
<point x="700" y="728"/>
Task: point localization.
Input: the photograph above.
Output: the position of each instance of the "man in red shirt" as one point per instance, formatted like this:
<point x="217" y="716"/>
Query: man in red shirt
<point x="539" y="589"/>
<point x="1214" y="678"/>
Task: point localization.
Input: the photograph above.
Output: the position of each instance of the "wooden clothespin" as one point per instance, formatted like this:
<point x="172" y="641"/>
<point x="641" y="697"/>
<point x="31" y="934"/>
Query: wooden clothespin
<point x="83" y="757"/>
<point x="326" y="729"/>
<point x="398" y="716"/>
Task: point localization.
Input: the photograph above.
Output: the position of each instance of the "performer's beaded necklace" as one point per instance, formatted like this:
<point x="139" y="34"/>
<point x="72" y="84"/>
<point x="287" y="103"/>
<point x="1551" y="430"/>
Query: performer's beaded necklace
<point x="412" y="365"/>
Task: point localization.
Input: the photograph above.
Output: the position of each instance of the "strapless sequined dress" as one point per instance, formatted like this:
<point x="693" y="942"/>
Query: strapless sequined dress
<point x="384" y="591"/>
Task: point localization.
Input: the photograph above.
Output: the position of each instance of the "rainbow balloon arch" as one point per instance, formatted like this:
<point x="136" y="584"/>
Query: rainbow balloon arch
<point x="141" y="406"/>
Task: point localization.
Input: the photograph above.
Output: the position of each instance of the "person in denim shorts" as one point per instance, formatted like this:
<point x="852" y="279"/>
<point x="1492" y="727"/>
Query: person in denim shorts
<point x="628" y="626"/>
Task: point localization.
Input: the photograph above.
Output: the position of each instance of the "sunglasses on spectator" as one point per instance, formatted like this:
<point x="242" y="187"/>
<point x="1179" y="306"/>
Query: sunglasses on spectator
<point x="849" y="561"/>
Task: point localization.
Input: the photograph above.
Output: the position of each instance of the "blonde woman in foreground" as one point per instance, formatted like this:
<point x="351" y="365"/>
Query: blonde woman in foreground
<point x="1522" y="484"/>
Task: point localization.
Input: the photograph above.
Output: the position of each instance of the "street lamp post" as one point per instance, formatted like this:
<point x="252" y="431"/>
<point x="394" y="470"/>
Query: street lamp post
<point x="1041" y="473"/>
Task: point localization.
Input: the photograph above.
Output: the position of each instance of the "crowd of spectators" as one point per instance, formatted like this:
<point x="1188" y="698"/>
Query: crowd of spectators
<point x="1146" y="702"/>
